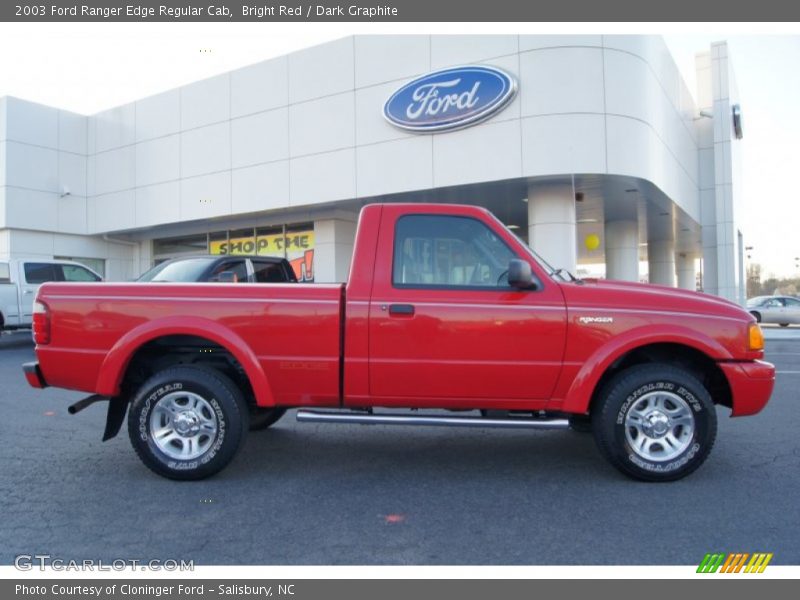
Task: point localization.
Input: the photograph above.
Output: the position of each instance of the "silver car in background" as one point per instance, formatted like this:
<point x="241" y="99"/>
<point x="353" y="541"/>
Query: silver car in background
<point x="783" y="310"/>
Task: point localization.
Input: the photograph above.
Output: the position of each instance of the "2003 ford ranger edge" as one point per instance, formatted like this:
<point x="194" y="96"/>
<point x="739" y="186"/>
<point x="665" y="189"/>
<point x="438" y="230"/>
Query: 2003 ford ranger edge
<point x="444" y="309"/>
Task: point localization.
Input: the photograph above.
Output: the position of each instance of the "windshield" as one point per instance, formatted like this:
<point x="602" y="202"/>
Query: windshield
<point x="561" y="274"/>
<point x="184" y="270"/>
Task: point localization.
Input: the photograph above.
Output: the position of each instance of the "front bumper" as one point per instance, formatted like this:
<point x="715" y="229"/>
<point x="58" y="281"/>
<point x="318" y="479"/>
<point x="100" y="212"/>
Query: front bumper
<point x="751" y="385"/>
<point x="34" y="375"/>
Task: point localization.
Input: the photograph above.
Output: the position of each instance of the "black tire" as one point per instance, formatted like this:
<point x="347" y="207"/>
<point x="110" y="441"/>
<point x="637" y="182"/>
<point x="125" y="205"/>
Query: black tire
<point x="580" y="423"/>
<point x="630" y="397"/>
<point x="220" y="405"/>
<point x="757" y="316"/>
<point x="262" y="418"/>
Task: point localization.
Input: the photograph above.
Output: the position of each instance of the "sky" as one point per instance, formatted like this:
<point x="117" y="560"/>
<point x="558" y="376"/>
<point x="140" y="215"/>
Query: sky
<point x="769" y="87"/>
<point x="87" y="67"/>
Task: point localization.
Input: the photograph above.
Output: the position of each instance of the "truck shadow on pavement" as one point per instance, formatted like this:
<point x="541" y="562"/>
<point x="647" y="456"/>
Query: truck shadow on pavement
<point x="333" y="451"/>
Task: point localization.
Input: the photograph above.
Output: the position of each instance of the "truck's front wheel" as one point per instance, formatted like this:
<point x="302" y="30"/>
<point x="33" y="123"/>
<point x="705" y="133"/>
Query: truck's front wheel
<point x="655" y="422"/>
<point x="187" y="422"/>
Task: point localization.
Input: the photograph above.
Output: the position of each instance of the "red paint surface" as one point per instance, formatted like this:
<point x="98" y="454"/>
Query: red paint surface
<point x="489" y="348"/>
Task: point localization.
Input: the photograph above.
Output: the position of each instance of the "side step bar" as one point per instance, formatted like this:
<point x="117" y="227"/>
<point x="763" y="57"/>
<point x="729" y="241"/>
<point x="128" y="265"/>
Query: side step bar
<point x="317" y="416"/>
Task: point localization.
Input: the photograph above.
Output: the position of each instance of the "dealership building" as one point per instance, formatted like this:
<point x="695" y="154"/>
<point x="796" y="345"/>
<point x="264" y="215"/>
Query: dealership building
<point x="598" y="156"/>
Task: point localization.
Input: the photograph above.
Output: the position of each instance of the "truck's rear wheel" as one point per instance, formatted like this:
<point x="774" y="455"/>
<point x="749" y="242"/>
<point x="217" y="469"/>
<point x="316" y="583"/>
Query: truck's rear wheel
<point x="655" y="422"/>
<point x="187" y="422"/>
<point x="261" y="418"/>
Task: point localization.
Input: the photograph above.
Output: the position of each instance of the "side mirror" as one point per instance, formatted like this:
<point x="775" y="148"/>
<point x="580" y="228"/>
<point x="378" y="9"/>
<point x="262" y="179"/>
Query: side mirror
<point x="519" y="274"/>
<point x="229" y="277"/>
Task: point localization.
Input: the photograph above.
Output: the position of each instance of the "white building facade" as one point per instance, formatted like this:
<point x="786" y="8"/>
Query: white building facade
<point x="603" y="161"/>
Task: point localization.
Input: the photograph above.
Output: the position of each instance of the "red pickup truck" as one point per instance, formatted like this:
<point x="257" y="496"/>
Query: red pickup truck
<point x="444" y="309"/>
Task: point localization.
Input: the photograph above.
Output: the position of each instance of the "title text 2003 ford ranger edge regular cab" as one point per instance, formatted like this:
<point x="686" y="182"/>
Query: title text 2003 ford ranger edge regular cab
<point x="444" y="309"/>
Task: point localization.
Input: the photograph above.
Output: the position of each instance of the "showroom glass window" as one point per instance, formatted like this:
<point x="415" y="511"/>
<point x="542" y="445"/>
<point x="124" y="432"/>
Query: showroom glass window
<point x="448" y="252"/>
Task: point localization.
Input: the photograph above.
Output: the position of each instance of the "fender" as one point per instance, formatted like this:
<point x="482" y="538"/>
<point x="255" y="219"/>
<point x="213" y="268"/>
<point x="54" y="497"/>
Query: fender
<point x="580" y="392"/>
<point x="118" y="358"/>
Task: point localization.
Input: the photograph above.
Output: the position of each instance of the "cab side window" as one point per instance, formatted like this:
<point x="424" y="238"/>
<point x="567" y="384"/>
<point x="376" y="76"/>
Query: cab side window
<point x="77" y="273"/>
<point x="268" y="272"/>
<point x="40" y="272"/>
<point x="448" y="252"/>
<point x="239" y="267"/>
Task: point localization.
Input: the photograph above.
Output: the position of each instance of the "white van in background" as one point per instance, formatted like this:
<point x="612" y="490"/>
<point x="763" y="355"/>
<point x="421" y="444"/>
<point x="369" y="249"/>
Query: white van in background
<point x="21" y="278"/>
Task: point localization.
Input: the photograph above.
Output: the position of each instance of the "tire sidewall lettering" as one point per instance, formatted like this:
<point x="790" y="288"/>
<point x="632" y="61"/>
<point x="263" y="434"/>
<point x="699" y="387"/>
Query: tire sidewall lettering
<point x="151" y="400"/>
<point x="679" y="462"/>
<point x="143" y="426"/>
<point x="687" y="455"/>
<point x="221" y="429"/>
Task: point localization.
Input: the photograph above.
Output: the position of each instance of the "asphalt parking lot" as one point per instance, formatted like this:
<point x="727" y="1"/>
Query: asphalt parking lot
<point x="341" y="494"/>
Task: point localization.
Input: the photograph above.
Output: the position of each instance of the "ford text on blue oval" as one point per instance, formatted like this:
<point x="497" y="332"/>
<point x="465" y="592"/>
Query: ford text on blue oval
<point x="450" y="99"/>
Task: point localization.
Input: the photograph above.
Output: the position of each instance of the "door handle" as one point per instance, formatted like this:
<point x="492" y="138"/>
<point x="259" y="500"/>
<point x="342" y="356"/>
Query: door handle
<point x="27" y="292"/>
<point x="401" y="309"/>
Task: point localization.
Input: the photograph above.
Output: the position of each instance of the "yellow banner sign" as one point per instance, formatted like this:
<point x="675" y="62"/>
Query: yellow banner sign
<point x="296" y="246"/>
<point x="295" y="242"/>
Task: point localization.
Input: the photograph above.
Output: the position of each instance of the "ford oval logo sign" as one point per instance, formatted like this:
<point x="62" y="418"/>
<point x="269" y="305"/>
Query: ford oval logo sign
<point x="450" y="99"/>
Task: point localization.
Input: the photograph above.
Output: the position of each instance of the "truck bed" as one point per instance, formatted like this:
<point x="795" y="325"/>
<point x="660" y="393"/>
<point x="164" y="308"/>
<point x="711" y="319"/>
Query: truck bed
<point x="95" y="325"/>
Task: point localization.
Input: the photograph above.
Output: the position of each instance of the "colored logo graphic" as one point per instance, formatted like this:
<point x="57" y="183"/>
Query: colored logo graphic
<point x="735" y="562"/>
<point x="450" y="99"/>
